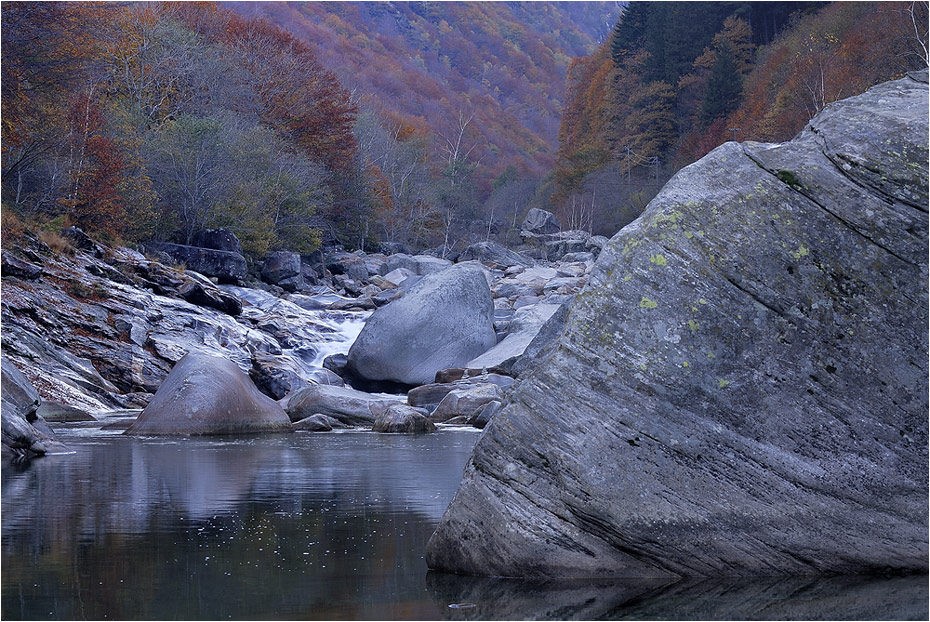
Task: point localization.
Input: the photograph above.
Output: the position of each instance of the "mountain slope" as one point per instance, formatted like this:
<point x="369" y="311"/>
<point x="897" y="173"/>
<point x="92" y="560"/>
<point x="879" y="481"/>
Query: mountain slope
<point x="428" y="62"/>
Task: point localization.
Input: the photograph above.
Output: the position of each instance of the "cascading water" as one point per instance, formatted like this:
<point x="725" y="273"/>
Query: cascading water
<point x="307" y="332"/>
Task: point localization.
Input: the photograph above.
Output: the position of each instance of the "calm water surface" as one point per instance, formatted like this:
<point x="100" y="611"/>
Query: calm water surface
<point x="316" y="526"/>
<point x="278" y="526"/>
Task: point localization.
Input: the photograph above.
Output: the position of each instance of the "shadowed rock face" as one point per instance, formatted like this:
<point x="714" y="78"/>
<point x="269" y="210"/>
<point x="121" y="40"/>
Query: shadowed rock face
<point x="209" y="395"/>
<point x="23" y="432"/>
<point x="742" y="387"/>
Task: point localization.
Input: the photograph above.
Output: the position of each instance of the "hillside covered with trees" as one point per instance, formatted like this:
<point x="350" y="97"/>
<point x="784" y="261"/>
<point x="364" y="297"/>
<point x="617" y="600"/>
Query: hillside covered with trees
<point x="350" y="123"/>
<point x="143" y="121"/>
<point x="501" y="63"/>
<point x="674" y="80"/>
<point x="432" y="125"/>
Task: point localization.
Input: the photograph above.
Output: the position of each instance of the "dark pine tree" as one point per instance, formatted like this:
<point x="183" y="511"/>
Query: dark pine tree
<point x="724" y="87"/>
<point x="628" y="35"/>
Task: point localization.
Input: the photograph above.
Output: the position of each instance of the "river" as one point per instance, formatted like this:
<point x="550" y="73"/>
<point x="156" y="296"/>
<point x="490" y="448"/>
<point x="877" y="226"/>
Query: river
<point x="325" y="526"/>
<point x="316" y="526"/>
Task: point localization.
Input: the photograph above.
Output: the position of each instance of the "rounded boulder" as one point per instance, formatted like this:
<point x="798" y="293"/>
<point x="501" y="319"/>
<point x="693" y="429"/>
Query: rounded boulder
<point x="444" y="321"/>
<point x="209" y="395"/>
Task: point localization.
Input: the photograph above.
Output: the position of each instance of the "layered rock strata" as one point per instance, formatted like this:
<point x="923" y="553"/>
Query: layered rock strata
<point x="742" y="387"/>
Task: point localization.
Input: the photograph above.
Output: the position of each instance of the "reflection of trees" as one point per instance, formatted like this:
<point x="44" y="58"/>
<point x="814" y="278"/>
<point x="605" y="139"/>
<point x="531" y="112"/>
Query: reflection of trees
<point x="304" y="526"/>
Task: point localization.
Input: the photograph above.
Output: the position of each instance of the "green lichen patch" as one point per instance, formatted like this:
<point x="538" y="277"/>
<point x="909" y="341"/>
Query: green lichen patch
<point x="694" y="325"/>
<point x="789" y="178"/>
<point x="803" y="251"/>
<point x="658" y="260"/>
<point x="647" y="303"/>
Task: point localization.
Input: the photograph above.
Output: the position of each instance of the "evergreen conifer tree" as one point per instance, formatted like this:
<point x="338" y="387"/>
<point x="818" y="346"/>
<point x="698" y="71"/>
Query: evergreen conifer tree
<point x="724" y="86"/>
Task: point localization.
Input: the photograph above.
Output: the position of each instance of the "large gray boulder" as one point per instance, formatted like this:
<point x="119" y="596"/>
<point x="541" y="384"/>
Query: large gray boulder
<point x="402" y="419"/>
<point x="443" y="321"/>
<point x="464" y="401"/>
<point x="495" y="255"/>
<point x="427" y="264"/>
<point x="282" y="268"/>
<point x="226" y="266"/>
<point x="539" y="221"/>
<point x="24" y="434"/>
<point x="348" y="264"/>
<point x="742" y="387"/>
<point x="524" y="327"/>
<point x="348" y="406"/>
<point x="218" y="239"/>
<point x="206" y="394"/>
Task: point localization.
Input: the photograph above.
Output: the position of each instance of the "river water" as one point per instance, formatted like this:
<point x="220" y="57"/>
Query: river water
<point x="324" y="526"/>
<point x="316" y="526"/>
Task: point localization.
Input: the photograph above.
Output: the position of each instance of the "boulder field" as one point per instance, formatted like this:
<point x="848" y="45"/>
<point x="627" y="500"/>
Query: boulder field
<point x="742" y="387"/>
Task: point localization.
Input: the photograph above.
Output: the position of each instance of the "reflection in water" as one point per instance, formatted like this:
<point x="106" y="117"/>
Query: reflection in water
<point x="786" y="598"/>
<point x="317" y="526"/>
<point x="324" y="526"/>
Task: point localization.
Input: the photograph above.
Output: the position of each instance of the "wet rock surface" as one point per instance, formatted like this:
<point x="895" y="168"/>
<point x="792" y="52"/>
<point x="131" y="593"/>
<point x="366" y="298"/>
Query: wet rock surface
<point x="401" y="419"/>
<point x="24" y="433"/>
<point x="351" y="407"/>
<point x="742" y="387"/>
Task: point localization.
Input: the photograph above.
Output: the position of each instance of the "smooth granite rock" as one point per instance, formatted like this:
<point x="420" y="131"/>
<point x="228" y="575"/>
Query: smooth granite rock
<point x="24" y="434"/>
<point x="402" y="419"/>
<point x="206" y="394"/>
<point x="525" y="326"/>
<point x="347" y="405"/>
<point x="443" y="321"/>
<point x="742" y="387"/>
<point x="315" y="423"/>
<point x="465" y="401"/>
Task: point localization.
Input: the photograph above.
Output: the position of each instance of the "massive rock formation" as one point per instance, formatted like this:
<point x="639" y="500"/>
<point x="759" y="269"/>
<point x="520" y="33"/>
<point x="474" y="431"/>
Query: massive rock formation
<point x="206" y="394"/>
<point x="227" y="266"/>
<point x="742" y="387"/>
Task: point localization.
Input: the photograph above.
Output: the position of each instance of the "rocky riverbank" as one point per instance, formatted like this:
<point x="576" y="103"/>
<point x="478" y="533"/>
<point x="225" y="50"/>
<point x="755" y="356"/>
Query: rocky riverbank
<point x="94" y="328"/>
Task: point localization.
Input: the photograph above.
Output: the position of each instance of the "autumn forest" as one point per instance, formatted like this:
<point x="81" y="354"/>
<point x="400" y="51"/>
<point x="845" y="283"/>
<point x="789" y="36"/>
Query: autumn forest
<point x="425" y="124"/>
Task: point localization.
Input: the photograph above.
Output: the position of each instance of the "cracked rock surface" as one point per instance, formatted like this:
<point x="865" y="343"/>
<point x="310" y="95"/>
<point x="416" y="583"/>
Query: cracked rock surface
<point x="742" y="387"/>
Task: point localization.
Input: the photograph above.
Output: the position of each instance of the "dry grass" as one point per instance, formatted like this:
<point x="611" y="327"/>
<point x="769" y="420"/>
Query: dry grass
<point x="56" y="242"/>
<point x="12" y="228"/>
